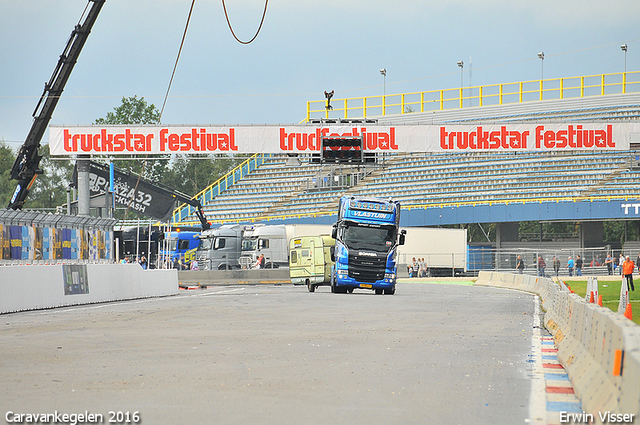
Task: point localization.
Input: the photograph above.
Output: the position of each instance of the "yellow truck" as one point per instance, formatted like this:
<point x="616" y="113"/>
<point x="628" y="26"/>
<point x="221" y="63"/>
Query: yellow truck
<point x="310" y="260"/>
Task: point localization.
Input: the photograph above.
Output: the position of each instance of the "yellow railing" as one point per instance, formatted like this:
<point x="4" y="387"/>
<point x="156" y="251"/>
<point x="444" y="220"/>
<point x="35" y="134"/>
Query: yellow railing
<point x="475" y="96"/>
<point x="214" y="189"/>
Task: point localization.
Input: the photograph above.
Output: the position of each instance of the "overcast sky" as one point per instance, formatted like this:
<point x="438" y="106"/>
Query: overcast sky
<point x="305" y="47"/>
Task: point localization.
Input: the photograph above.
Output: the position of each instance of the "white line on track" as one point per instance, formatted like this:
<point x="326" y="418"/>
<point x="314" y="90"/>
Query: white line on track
<point x="79" y="307"/>
<point x="538" y="400"/>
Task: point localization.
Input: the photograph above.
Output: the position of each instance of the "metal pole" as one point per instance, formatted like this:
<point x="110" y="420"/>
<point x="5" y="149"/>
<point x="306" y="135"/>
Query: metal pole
<point x="84" y="195"/>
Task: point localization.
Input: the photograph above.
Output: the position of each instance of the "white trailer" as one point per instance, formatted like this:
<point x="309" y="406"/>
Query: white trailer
<point x="444" y="250"/>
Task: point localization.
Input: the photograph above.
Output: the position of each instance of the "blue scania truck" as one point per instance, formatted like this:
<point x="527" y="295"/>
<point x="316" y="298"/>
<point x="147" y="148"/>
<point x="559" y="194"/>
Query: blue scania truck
<point x="367" y="237"/>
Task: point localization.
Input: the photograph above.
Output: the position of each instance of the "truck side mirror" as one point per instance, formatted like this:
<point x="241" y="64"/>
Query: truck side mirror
<point x="334" y="232"/>
<point x="402" y="237"/>
<point x="332" y="251"/>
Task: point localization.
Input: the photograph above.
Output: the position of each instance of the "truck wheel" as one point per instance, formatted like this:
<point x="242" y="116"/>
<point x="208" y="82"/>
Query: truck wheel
<point x="350" y="290"/>
<point x="311" y="287"/>
<point x="391" y="291"/>
<point x="378" y="291"/>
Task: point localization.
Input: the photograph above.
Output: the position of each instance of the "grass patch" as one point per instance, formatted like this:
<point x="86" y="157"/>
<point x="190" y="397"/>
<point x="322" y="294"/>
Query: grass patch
<point x="610" y="291"/>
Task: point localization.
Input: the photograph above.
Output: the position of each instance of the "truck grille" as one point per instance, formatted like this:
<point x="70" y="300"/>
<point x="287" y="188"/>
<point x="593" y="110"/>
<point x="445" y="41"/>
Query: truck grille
<point x="366" y="268"/>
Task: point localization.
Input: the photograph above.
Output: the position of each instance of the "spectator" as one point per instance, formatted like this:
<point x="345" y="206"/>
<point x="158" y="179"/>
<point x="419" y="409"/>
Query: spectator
<point x="627" y="270"/>
<point x="542" y="265"/>
<point x="570" y="264"/>
<point x="609" y="263"/>
<point x="143" y="262"/>
<point x="415" y="267"/>
<point x="520" y="265"/>
<point x="556" y="265"/>
<point x="423" y="268"/>
<point x="259" y="264"/>
<point x="579" y="263"/>
<point x="620" y="262"/>
<point x="194" y="265"/>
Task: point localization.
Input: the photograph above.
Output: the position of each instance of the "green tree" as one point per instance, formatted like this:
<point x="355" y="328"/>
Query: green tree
<point x="7" y="186"/>
<point x="50" y="189"/>
<point x="189" y="175"/>
<point x="193" y="174"/>
<point x="134" y="110"/>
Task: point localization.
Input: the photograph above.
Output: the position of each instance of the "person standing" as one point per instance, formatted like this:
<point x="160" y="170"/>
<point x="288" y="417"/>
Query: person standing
<point x="579" y="266"/>
<point x="609" y="263"/>
<point x="541" y="266"/>
<point x="556" y="265"/>
<point x="570" y="264"/>
<point x="620" y="262"/>
<point x="627" y="270"/>
<point x="520" y="265"/>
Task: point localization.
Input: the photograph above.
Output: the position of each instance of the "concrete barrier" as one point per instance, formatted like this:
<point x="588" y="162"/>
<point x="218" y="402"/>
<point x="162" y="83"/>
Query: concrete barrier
<point x="587" y="337"/>
<point x="204" y="278"/>
<point x="33" y="287"/>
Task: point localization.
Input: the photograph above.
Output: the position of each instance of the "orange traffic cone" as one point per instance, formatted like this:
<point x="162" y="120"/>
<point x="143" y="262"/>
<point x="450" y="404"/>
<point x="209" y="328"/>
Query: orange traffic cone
<point x="627" y="312"/>
<point x="600" y="300"/>
<point x="591" y="298"/>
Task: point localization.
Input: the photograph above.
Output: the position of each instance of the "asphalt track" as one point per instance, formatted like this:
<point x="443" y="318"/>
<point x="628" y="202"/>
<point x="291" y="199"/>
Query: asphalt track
<point x="432" y="353"/>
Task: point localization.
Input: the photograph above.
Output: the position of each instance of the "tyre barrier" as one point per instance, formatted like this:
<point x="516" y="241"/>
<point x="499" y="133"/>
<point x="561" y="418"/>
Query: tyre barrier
<point x="599" y="349"/>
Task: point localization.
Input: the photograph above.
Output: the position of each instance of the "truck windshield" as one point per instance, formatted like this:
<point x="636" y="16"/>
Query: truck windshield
<point x="173" y="244"/>
<point x="205" y="244"/>
<point x="379" y="239"/>
<point x="249" y="244"/>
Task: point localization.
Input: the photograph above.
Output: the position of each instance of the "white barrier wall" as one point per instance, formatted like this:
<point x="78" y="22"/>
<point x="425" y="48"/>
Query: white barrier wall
<point x="31" y="287"/>
<point x="587" y="337"/>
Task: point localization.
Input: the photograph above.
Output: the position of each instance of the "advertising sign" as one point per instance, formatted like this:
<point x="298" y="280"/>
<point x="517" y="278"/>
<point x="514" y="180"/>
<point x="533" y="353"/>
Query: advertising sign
<point x="130" y="190"/>
<point x="143" y="140"/>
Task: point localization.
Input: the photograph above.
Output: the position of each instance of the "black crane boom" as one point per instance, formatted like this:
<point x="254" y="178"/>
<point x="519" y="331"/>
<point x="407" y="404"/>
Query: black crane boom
<point x="27" y="164"/>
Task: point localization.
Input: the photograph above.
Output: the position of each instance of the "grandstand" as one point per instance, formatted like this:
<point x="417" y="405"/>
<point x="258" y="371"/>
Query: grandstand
<point x="274" y="190"/>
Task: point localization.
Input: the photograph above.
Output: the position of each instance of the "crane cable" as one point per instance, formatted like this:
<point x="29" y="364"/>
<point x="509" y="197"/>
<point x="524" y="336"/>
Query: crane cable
<point x="175" y="66"/>
<point x="226" y="15"/>
<point x="166" y="96"/>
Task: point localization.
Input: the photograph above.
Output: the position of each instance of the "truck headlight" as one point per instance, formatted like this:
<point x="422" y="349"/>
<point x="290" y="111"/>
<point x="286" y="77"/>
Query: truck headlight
<point x="343" y="272"/>
<point x="389" y="275"/>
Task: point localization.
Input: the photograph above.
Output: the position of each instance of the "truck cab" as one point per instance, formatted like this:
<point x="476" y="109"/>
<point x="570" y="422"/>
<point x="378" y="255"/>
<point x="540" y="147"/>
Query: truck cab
<point x="367" y="236"/>
<point x="219" y="248"/>
<point x="270" y="241"/>
<point x="180" y="245"/>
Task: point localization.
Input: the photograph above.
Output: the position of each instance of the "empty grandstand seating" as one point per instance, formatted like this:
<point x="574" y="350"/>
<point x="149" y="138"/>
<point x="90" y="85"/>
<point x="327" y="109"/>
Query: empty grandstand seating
<point x="429" y="180"/>
<point x="426" y="180"/>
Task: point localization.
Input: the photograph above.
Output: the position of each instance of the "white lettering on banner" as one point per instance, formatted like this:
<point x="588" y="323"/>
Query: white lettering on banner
<point x="626" y="207"/>
<point x="142" y="140"/>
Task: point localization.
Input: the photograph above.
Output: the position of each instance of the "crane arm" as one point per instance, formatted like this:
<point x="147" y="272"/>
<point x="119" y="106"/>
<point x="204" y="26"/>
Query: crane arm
<point x="27" y="164"/>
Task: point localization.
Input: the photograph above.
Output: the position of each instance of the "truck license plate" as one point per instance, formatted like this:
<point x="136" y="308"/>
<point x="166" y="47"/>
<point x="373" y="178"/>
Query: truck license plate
<point x="366" y="285"/>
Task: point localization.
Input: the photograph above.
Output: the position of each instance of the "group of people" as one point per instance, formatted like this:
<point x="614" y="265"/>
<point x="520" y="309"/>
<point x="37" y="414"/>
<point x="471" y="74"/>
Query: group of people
<point x="625" y="266"/>
<point x="142" y="261"/>
<point x="417" y="268"/>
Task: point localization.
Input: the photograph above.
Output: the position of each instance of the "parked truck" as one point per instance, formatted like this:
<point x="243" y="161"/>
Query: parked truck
<point x="219" y="248"/>
<point x="444" y="250"/>
<point x="270" y="241"/>
<point x="310" y="261"/>
<point x="234" y="246"/>
<point x="367" y="237"/>
<point x="179" y="245"/>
